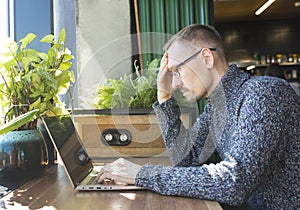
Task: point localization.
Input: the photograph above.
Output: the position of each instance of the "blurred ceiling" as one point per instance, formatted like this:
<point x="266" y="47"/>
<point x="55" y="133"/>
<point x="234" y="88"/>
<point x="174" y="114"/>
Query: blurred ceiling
<point x="243" y="10"/>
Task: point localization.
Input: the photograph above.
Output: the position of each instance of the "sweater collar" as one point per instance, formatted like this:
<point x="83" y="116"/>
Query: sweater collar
<point x="229" y="84"/>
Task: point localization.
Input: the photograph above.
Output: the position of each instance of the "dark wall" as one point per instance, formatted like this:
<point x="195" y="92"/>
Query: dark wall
<point x="264" y="37"/>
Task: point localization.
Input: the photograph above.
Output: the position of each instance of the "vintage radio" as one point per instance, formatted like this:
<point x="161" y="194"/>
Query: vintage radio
<point x="132" y="133"/>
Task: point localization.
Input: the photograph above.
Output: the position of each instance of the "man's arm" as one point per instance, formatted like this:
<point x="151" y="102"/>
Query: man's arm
<point x="185" y="146"/>
<point x="248" y="157"/>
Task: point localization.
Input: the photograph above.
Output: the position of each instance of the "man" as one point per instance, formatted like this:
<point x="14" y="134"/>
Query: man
<point x="252" y="122"/>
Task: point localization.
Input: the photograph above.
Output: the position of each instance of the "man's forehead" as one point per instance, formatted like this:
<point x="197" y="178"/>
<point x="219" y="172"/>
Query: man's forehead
<point x="179" y="51"/>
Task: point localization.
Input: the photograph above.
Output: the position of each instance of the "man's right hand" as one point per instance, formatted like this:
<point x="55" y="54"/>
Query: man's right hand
<point x="164" y="81"/>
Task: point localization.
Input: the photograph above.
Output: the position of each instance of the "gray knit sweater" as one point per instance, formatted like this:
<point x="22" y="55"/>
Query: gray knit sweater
<point x="253" y="124"/>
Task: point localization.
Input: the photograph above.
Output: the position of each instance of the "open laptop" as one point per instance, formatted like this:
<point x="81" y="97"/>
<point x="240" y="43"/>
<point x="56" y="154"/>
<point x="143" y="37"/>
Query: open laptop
<point x="78" y="165"/>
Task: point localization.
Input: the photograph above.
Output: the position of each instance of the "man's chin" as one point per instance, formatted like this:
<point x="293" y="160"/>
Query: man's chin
<point x="190" y="98"/>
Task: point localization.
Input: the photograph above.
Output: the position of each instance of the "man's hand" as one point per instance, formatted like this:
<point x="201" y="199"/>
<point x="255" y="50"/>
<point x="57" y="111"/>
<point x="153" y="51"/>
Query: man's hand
<point x="120" y="171"/>
<point x="164" y="81"/>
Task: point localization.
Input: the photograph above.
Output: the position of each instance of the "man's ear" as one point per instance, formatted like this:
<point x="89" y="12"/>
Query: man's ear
<point x="208" y="57"/>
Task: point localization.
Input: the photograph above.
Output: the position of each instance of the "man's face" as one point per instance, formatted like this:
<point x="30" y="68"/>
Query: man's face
<point x="194" y="76"/>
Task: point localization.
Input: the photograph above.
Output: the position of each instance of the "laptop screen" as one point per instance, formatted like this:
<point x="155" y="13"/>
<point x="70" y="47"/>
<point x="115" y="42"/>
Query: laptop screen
<point x="66" y="141"/>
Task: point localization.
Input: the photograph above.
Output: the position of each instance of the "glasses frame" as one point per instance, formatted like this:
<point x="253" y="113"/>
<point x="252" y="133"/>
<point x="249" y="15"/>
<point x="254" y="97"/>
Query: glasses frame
<point x="176" y="72"/>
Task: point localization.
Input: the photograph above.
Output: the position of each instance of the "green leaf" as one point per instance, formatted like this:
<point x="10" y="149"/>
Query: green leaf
<point x="32" y="55"/>
<point x="27" y="40"/>
<point x="35" y="104"/>
<point x="154" y="64"/>
<point x="72" y="76"/>
<point x="48" y="39"/>
<point x="43" y="55"/>
<point x="67" y="57"/>
<point x="63" y="88"/>
<point x="58" y="46"/>
<point x="65" y="65"/>
<point x="62" y="36"/>
<point x="18" y="121"/>
<point x="62" y="77"/>
<point x="36" y="80"/>
<point x="51" y="54"/>
<point x="54" y="111"/>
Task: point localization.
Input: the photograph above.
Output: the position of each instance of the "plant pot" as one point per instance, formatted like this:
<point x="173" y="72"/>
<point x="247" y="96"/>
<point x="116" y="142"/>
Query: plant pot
<point x="22" y="151"/>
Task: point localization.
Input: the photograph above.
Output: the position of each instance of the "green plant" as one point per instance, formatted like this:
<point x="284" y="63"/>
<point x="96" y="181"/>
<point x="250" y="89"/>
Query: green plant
<point x="18" y="121"/>
<point x="31" y="79"/>
<point x="128" y="92"/>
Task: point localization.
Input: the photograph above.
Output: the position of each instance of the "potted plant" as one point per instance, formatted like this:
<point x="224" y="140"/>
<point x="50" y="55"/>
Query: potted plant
<point x="30" y="82"/>
<point x="123" y="122"/>
<point x="129" y="91"/>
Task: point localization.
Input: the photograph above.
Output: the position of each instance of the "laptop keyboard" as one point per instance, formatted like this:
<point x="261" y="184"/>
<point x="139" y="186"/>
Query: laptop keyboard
<point x="92" y="181"/>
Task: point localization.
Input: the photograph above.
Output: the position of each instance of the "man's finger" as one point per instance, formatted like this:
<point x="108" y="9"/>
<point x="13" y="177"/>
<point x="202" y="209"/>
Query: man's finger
<point x="104" y="177"/>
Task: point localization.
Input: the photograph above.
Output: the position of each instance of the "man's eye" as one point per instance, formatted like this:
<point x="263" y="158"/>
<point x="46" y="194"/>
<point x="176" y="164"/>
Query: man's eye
<point x="175" y="73"/>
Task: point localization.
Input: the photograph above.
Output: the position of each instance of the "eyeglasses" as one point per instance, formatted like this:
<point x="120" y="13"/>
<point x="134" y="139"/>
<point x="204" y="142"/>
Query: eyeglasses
<point x="176" y="69"/>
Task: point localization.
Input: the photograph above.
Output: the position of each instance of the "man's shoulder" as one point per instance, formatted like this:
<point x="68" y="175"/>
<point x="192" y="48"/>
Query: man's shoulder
<point x="266" y="84"/>
<point x="267" y="80"/>
<point x="266" y="87"/>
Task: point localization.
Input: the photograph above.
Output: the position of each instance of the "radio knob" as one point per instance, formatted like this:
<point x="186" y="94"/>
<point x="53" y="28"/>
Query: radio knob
<point x="123" y="137"/>
<point x="108" y="137"/>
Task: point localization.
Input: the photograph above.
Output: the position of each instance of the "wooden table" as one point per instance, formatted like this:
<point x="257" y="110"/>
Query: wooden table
<point x="52" y="190"/>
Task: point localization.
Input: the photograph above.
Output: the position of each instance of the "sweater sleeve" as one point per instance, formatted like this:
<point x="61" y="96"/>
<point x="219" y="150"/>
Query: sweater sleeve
<point x="185" y="146"/>
<point x="247" y="157"/>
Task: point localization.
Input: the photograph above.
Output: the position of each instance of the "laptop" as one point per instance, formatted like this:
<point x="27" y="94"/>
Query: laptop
<point x="81" y="170"/>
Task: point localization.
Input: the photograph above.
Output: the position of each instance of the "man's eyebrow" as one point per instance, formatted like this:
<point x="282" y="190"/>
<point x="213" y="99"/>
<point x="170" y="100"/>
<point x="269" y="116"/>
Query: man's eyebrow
<point x="172" y="68"/>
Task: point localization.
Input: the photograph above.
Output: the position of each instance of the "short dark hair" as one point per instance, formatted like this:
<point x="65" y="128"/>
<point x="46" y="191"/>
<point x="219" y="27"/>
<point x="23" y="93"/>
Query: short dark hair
<point x="205" y="35"/>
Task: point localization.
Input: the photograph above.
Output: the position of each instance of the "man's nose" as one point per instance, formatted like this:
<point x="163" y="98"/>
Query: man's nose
<point x="176" y="82"/>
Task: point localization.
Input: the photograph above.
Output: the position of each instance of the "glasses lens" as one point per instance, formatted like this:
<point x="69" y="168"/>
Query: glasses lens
<point x="176" y="73"/>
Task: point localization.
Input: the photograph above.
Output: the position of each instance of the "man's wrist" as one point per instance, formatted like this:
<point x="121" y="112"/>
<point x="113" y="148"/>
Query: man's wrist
<point x="161" y="98"/>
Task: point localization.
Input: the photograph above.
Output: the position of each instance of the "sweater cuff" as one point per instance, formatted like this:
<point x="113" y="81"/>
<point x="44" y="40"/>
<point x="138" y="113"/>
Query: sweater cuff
<point x="146" y="174"/>
<point x="169" y="109"/>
